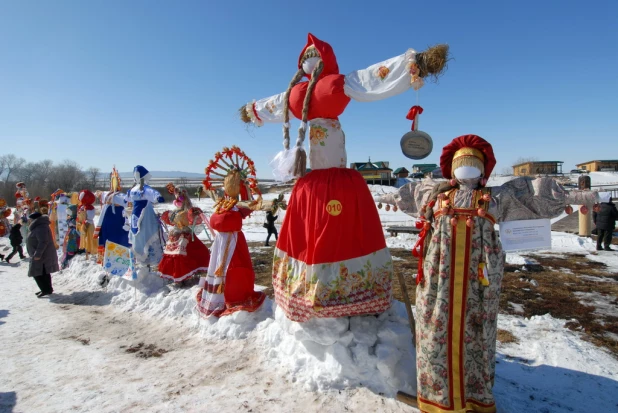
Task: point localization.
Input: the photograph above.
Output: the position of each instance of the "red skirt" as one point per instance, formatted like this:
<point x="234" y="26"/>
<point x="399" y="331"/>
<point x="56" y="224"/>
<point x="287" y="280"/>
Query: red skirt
<point x="331" y="258"/>
<point x="238" y="290"/>
<point x="183" y="257"/>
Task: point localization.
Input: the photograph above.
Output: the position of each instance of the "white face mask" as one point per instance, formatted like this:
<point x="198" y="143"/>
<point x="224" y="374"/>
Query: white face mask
<point x="467" y="172"/>
<point x="309" y="64"/>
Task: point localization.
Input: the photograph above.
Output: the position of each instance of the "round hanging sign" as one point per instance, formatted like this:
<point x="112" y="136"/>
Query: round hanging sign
<point x="416" y="144"/>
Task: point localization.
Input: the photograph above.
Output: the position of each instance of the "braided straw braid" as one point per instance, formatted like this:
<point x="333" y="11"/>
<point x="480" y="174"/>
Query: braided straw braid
<point x="300" y="163"/>
<point x="286" y="108"/>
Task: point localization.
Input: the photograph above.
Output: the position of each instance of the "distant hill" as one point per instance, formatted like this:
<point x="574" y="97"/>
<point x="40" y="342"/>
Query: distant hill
<point x="166" y="174"/>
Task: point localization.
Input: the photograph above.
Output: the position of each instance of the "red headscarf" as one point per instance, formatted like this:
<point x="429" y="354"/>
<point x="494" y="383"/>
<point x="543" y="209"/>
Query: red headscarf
<point x="467" y="141"/>
<point x="326" y="54"/>
<point x="86" y="199"/>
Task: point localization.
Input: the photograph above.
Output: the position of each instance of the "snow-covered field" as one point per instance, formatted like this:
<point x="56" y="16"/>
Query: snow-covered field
<point x="69" y="352"/>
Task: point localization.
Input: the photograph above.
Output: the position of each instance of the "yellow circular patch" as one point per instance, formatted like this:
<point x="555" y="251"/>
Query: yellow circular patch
<point x="334" y="207"/>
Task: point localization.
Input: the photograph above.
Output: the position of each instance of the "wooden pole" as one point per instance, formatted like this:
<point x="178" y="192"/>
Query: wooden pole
<point x="585" y="222"/>
<point x="406" y="300"/>
<point x="407" y="399"/>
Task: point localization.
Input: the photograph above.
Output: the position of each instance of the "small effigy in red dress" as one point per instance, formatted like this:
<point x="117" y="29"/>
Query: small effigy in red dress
<point x="184" y="254"/>
<point x="229" y="285"/>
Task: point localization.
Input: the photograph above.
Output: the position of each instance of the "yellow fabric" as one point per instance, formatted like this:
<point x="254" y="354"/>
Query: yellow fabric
<point x="469" y="152"/>
<point x="87" y="240"/>
<point x="457" y="297"/>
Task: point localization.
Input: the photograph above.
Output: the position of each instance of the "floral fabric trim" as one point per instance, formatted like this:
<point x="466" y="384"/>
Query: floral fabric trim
<point x="352" y="287"/>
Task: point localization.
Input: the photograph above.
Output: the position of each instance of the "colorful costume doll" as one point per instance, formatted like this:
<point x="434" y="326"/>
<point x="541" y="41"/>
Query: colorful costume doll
<point x="184" y="255"/>
<point x="85" y="222"/>
<point x="60" y="209"/>
<point x="461" y="265"/>
<point x="229" y="284"/>
<point x="331" y="258"/>
<point x="145" y="234"/>
<point x="71" y="239"/>
<point x="24" y="203"/>
<point x="57" y="217"/>
<point x="111" y="221"/>
<point x="5" y="212"/>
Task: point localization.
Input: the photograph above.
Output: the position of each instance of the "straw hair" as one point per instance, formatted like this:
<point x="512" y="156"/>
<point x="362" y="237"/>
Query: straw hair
<point x="244" y="116"/>
<point x="433" y="61"/>
<point x="231" y="184"/>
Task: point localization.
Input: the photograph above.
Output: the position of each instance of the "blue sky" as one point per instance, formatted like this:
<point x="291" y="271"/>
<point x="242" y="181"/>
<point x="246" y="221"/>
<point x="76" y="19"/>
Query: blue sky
<point x="158" y="83"/>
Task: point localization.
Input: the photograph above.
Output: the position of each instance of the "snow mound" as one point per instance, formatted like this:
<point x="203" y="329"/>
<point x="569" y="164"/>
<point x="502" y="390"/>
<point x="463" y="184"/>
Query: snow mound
<point x="156" y="297"/>
<point x="370" y="351"/>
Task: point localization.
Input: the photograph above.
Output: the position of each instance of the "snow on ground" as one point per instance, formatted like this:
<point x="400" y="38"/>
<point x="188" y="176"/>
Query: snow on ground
<point x="551" y="370"/>
<point x="603" y="178"/>
<point x="77" y="341"/>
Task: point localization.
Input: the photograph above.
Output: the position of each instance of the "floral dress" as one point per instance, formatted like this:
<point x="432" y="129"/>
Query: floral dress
<point x="457" y="297"/>
<point x="331" y="258"/>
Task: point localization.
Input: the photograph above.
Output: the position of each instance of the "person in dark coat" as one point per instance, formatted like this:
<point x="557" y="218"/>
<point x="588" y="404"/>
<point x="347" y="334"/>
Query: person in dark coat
<point x="270" y="226"/>
<point x="44" y="260"/>
<point x="16" y="239"/>
<point x="605" y="220"/>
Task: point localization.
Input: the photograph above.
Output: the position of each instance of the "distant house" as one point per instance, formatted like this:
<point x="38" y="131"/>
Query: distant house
<point x="401" y="173"/>
<point x="595" y="166"/>
<point x="423" y="168"/>
<point x="375" y="173"/>
<point x="538" y="168"/>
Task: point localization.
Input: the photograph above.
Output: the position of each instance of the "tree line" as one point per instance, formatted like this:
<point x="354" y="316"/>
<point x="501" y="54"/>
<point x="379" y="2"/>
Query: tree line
<point x="44" y="177"/>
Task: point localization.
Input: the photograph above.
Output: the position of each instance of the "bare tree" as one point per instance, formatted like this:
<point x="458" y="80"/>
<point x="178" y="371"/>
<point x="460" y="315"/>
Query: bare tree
<point x="10" y="163"/>
<point x="2" y="164"/>
<point x="67" y="176"/>
<point x="93" y="176"/>
<point x="182" y="182"/>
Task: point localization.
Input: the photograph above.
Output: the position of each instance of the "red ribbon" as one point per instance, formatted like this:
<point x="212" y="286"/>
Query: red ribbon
<point x="414" y="110"/>
<point x="417" y="249"/>
<point x="258" y="117"/>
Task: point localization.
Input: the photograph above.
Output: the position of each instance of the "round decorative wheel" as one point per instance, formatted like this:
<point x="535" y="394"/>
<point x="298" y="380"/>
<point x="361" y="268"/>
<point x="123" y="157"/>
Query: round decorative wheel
<point x="232" y="160"/>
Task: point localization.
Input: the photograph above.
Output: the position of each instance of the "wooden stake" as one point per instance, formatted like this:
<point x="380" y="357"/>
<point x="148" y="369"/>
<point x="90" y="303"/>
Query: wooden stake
<point x="407" y="399"/>
<point x="406" y="300"/>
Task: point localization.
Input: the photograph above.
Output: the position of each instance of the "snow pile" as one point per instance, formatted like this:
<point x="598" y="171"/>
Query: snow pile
<point x="370" y="351"/>
<point x="154" y="296"/>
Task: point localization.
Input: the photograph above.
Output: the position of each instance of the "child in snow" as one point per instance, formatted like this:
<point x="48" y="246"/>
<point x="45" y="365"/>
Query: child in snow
<point x="16" y="239"/>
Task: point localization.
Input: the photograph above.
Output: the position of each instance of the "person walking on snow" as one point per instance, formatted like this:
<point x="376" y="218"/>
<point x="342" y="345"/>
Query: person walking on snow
<point x="270" y="226"/>
<point x="41" y="249"/>
<point x="605" y="220"/>
<point x="16" y="239"/>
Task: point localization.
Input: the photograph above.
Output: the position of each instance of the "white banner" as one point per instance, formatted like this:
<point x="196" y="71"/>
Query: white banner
<point x="530" y="234"/>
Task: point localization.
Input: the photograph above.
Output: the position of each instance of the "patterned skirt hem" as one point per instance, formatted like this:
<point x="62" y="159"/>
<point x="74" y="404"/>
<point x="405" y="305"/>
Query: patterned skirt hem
<point x="184" y="277"/>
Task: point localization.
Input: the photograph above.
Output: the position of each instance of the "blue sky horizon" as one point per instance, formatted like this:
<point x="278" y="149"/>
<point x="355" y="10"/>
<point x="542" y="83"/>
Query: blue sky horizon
<point x="159" y="84"/>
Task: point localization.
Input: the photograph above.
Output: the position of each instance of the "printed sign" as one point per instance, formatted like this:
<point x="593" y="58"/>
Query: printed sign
<point x="530" y="234"/>
<point x="119" y="260"/>
<point x="416" y="144"/>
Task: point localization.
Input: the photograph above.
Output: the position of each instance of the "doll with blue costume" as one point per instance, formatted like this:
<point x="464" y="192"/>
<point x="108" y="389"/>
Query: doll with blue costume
<point x="111" y="222"/>
<point x="145" y="231"/>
